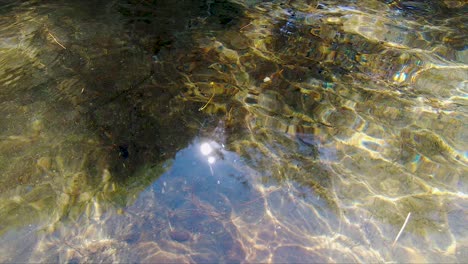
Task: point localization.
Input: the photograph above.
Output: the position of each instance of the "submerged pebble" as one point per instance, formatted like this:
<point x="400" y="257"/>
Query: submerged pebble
<point x="334" y="20"/>
<point x="179" y="235"/>
<point x="44" y="163"/>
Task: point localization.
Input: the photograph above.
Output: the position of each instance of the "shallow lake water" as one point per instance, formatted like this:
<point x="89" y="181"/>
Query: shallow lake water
<point x="233" y="131"/>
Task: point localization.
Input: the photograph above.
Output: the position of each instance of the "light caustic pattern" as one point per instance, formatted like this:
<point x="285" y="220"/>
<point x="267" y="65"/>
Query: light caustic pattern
<point x="389" y="126"/>
<point x="332" y="133"/>
<point x="200" y="211"/>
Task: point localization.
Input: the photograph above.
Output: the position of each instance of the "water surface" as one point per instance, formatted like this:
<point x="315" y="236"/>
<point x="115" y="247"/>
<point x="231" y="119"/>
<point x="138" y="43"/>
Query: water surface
<point x="233" y="131"/>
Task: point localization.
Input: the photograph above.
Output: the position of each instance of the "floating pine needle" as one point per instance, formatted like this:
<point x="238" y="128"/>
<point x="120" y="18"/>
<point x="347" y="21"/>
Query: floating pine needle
<point x="211" y="98"/>
<point x="56" y="41"/>
<point x="401" y="230"/>
<point x="245" y="26"/>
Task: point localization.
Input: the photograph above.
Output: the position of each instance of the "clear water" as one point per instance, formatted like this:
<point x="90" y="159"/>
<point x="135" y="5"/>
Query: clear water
<point x="233" y="131"/>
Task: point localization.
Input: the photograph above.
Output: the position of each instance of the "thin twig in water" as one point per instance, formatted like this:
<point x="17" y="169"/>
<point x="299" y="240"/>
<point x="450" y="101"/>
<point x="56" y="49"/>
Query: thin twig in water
<point x="401" y="230"/>
<point x="245" y="26"/>
<point x="56" y="41"/>
<point x="211" y="98"/>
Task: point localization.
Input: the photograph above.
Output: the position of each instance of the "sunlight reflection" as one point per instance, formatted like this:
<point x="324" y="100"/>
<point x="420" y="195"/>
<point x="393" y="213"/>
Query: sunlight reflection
<point x="211" y="160"/>
<point x="205" y="148"/>
<point x="211" y="150"/>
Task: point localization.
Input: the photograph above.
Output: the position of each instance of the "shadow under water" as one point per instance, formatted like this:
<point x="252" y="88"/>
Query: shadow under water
<point x="233" y="131"/>
<point x="82" y="109"/>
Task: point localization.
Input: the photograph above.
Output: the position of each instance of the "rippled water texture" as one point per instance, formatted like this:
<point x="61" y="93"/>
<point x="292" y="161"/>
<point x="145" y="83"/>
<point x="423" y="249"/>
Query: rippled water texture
<point x="233" y="131"/>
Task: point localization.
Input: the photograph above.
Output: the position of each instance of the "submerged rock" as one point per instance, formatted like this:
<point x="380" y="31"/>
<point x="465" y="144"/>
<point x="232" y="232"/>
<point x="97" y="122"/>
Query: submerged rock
<point x="180" y="235"/>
